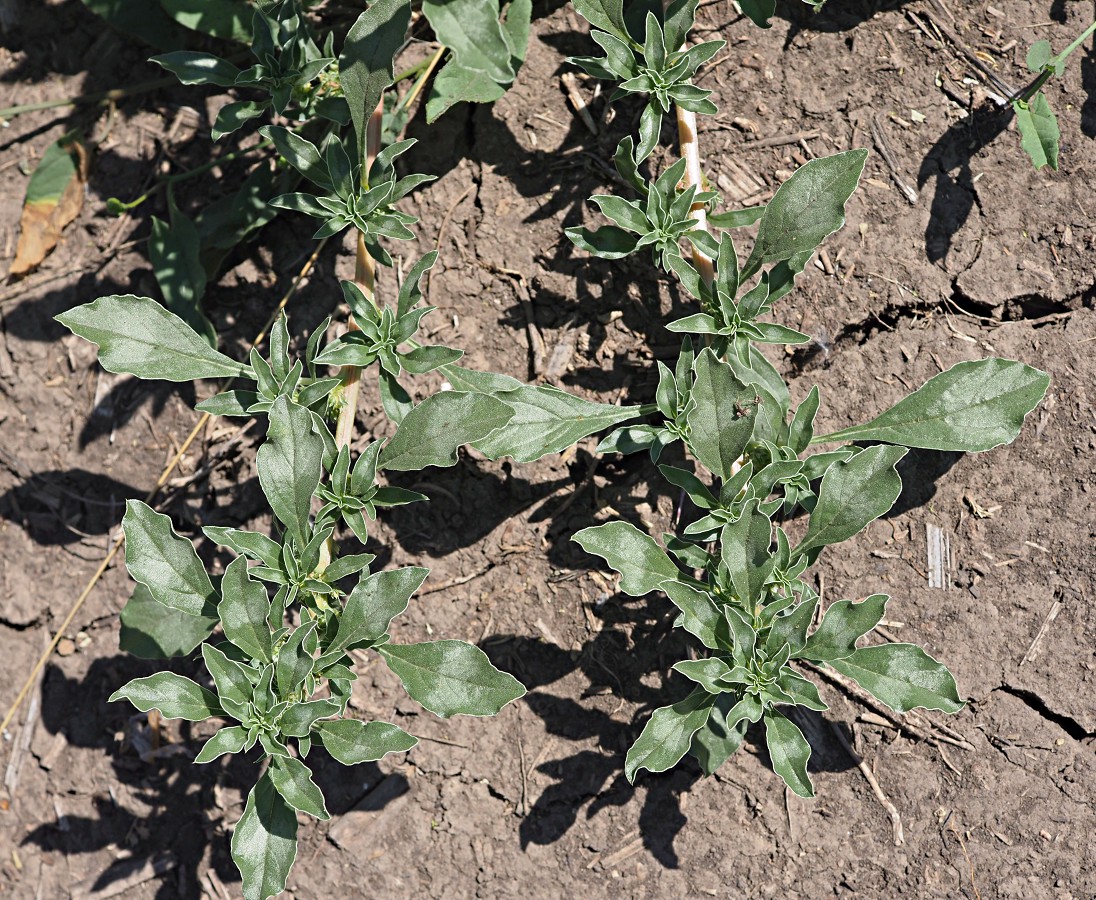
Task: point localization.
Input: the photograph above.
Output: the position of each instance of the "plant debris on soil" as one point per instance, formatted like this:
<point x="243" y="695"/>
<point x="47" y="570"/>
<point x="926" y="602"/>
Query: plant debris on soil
<point x="955" y="249"/>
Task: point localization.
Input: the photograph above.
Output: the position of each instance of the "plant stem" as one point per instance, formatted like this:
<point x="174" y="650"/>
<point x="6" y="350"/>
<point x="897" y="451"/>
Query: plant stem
<point x="1084" y="36"/>
<point x="1048" y="70"/>
<point x="689" y="143"/>
<point x="365" y="277"/>
<point x="98" y="97"/>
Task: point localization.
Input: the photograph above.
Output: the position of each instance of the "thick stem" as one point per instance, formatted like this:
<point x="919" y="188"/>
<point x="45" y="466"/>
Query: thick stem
<point x="689" y="143"/>
<point x="365" y="277"/>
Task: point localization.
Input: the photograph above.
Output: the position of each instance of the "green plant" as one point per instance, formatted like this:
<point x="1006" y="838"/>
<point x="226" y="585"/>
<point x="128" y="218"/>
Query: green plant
<point x="737" y="576"/>
<point x="1039" y="133"/>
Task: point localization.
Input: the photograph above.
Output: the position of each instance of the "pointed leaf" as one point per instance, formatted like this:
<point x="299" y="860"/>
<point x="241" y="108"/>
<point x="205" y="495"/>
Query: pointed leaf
<point x="290" y="463"/>
<point x="228" y="740"/>
<point x="432" y="432"/>
<point x="244" y="609"/>
<point x="374" y="603"/>
<point x="668" y="734"/>
<point x="1039" y="132"/>
<point x="843" y="625"/>
<point x="853" y="494"/>
<point x="138" y="336"/>
<point x="643" y="565"/>
<point x="165" y="562"/>
<point x="293" y="780"/>
<point x="264" y="841"/>
<point x="903" y="676"/>
<point x="451" y="678"/>
<point x="173" y="695"/>
<point x="722" y="421"/>
<point x="974" y="405"/>
<point x="789" y="752"/>
<point x="351" y="741"/>
<point x="151" y="630"/>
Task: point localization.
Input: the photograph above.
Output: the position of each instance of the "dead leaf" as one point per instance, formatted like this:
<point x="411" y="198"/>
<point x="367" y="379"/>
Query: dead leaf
<point x="55" y="195"/>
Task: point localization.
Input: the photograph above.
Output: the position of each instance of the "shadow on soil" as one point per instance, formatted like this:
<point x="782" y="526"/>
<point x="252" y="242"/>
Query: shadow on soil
<point x="159" y="798"/>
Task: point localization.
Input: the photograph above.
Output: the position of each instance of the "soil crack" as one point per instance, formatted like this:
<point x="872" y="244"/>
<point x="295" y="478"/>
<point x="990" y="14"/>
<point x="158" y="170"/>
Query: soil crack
<point x="1032" y="700"/>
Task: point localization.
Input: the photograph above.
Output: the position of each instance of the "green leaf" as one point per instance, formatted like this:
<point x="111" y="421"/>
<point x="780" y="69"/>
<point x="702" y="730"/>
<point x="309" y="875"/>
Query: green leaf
<point x="365" y="64"/>
<point x="471" y="29"/>
<point x="722" y="421"/>
<point x="803" y="692"/>
<point x="298" y="718"/>
<point x="806" y="209"/>
<point x="233" y="116"/>
<point x="759" y="10"/>
<point x="151" y="630"/>
<point x="478" y="382"/>
<point x="789" y="752"/>
<point x="723" y="733"/>
<point x="351" y="741"/>
<point x="293" y="780"/>
<point x="608" y="242"/>
<point x="744" y="549"/>
<point x="643" y="565"/>
<point x="451" y="678"/>
<point x="699" y="614"/>
<point x="232" y="739"/>
<point x="175" y="254"/>
<point x="191" y="67"/>
<point x="843" y="625"/>
<point x="264" y="841"/>
<point x="290" y="463"/>
<point x="432" y="432"/>
<point x="737" y="218"/>
<point x="608" y="15"/>
<point x="974" y="405"/>
<point x="705" y="672"/>
<point x="790" y="629"/>
<point x="547" y="420"/>
<point x="243" y="609"/>
<point x="374" y="603"/>
<point x="173" y="695"/>
<point x="139" y="18"/>
<point x="1039" y="56"/>
<point x="852" y="494"/>
<point x="300" y="153"/>
<point x="903" y="676"/>
<point x="139" y="337"/>
<point x="165" y="562"/>
<point x="668" y="735"/>
<point x="294" y="661"/>
<point x="229" y="20"/>
<point x="234" y="688"/>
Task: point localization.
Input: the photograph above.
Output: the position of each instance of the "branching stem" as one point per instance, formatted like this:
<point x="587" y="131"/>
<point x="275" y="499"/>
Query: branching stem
<point x="689" y="143"/>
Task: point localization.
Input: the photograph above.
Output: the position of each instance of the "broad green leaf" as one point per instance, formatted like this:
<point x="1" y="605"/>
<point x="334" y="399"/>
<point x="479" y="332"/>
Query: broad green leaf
<point x="478" y="382"/>
<point x="264" y="841"/>
<point x="745" y="550"/>
<point x="737" y="218"/>
<point x="151" y="630"/>
<point x="294" y="661"/>
<point x="1039" y="132"/>
<point x="723" y="733"/>
<point x="232" y="739"/>
<point x="165" y="562"/>
<point x="853" y="494"/>
<point x="451" y="678"/>
<point x="722" y="421"/>
<point x="293" y="780"/>
<point x="298" y="718"/>
<point x="351" y="741"/>
<point x="191" y="67"/>
<point x="243" y="609"/>
<point x="843" y="625"/>
<point x="789" y="752"/>
<point x="802" y="691"/>
<point x="608" y="15"/>
<point x="643" y="565"/>
<point x="173" y="695"/>
<point x="233" y="116"/>
<point x="139" y="18"/>
<point x="432" y="432"/>
<point x="300" y="153"/>
<point x="699" y="614"/>
<point x="226" y="19"/>
<point x="974" y="405"/>
<point x="903" y="676"/>
<point x="705" y="672"/>
<point x="290" y="463"/>
<point x="234" y="688"/>
<point x="374" y="603"/>
<point x="806" y="209"/>
<point x="759" y="10"/>
<point x="790" y="629"/>
<point x="365" y="64"/>
<point x="608" y="242"/>
<point x="139" y="337"/>
<point x="547" y="420"/>
<point x="471" y="29"/>
<point x="1039" y="55"/>
<point x="668" y="735"/>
